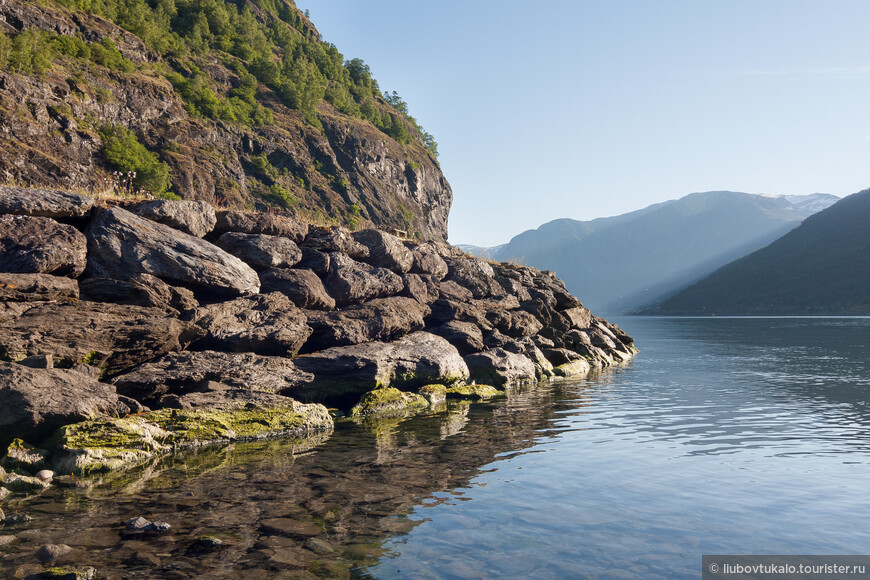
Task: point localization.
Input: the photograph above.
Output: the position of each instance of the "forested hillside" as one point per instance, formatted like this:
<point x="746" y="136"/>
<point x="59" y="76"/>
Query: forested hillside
<point x="236" y="101"/>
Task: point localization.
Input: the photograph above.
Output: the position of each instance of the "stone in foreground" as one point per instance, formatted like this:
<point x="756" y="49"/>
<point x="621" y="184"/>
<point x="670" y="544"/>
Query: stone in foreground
<point x="121" y="244"/>
<point x="43" y="202"/>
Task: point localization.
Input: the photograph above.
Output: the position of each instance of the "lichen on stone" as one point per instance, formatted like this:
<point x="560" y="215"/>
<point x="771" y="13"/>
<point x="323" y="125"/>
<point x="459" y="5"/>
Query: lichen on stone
<point x="387" y="400"/>
<point x="473" y="392"/>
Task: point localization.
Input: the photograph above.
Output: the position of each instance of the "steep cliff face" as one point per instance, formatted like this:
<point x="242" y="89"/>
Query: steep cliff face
<point x="345" y="171"/>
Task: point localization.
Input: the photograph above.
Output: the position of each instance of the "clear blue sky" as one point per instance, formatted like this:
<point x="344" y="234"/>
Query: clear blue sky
<point x="583" y="109"/>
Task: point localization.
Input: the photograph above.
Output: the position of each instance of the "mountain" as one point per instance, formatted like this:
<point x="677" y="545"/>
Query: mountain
<point x="236" y="102"/>
<point x="625" y="262"/>
<point x="821" y="267"/>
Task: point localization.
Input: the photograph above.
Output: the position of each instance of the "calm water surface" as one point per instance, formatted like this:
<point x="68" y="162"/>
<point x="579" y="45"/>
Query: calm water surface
<point x="722" y="436"/>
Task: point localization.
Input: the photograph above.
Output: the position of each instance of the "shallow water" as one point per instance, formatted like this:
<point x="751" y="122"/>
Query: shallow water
<point x="722" y="436"/>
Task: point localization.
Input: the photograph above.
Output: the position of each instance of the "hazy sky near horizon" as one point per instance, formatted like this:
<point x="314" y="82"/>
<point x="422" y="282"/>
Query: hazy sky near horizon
<point x="584" y="109"/>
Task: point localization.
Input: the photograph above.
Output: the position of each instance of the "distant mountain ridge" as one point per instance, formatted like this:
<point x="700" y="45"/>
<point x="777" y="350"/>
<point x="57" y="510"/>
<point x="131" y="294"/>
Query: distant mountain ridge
<point x="820" y="268"/>
<point x="625" y="262"/>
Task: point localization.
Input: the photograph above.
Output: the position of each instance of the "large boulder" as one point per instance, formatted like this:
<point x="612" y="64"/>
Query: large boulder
<point x="475" y="275"/>
<point x="334" y="239"/>
<point x="428" y="261"/>
<point x="314" y="260"/>
<point x="121" y="244"/>
<point x="43" y="202"/>
<point x="180" y="373"/>
<point x="40" y="245"/>
<point x="444" y="310"/>
<point x="379" y="319"/>
<point x="465" y="336"/>
<point x="500" y="367"/>
<point x="342" y="374"/>
<point x="266" y="324"/>
<point x="261" y="251"/>
<point x="260" y="223"/>
<point x="140" y="290"/>
<point x="112" y="336"/>
<point x="303" y="287"/>
<point x="32" y="287"/>
<point x="196" y="218"/>
<point x="385" y="250"/>
<point x="421" y="287"/>
<point x="351" y="282"/>
<point x="35" y="402"/>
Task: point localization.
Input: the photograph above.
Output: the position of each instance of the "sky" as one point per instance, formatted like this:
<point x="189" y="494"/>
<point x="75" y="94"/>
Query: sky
<point x="582" y="109"/>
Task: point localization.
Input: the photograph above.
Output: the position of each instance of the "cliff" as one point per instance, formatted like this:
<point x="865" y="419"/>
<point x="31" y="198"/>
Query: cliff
<point x="131" y="327"/>
<point x="245" y="108"/>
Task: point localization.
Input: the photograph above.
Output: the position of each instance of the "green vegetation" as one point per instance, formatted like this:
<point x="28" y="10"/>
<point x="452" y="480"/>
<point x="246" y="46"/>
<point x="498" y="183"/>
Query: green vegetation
<point x="387" y="400"/>
<point x="262" y="40"/>
<point x="125" y="153"/>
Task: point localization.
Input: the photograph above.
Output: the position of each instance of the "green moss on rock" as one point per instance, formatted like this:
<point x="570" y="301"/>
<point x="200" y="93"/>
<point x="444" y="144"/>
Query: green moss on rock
<point x="434" y="393"/>
<point x="107" y="444"/>
<point x="574" y="368"/>
<point x="386" y="400"/>
<point x="472" y="392"/>
<point x="68" y="573"/>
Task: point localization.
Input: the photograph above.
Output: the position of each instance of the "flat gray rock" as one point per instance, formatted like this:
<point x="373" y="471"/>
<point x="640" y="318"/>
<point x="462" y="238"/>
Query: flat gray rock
<point x="121" y="244"/>
<point x="40" y="245"/>
<point x="180" y="373"/>
<point x="427" y="260"/>
<point x="43" y="202"/>
<point x="475" y="275"/>
<point x="193" y="217"/>
<point x="141" y="290"/>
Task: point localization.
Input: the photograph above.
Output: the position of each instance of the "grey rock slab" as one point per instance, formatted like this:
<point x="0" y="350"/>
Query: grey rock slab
<point x="265" y="324"/>
<point x="314" y="260"/>
<point x="43" y="202"/>
<point x="35" y="402"/>
<point x="183" y="372"/>
<point x="421" y="287"/>
<point x="385" y="250"/>
<point x="122" y="244"/>
<point x="414" y="360"/>
<point x="465" y="336"/>
<point x="260" y="223"/>
<point x="351" y="282"/>
<point x="499" y="367"/>
<point x="112" y="336"/>
<point x="40" y="245"/>
<point x="475" y="275"/>
<point x="303" y="287"/>
<point x="32" y="287"/>
<point x="193" y="217"/>
<point x="261" y="251"/>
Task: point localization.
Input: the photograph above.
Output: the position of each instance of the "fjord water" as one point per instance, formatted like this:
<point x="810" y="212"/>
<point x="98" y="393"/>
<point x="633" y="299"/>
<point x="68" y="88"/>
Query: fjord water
<point x="723" y="435"/>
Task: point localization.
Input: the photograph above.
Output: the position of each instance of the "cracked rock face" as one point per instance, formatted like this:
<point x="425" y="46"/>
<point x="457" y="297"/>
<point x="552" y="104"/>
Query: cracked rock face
<point x="40" y="245"/>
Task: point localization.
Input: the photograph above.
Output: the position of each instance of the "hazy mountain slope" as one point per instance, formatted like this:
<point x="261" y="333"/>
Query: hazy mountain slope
<point x="821" y="267"/>
<point x="619" y="263"/>
<point x="238" y="102"/>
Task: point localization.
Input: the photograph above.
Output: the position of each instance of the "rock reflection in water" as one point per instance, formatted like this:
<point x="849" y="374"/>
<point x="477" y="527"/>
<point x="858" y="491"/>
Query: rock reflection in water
<point x="280" y="508"/>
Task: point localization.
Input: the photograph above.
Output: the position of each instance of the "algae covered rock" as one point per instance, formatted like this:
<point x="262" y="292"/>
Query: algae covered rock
<point x="387" y="400"/>
<point x="20" y="455"/>
<point x="106" y="444"/>
<point x="473" y="392"/>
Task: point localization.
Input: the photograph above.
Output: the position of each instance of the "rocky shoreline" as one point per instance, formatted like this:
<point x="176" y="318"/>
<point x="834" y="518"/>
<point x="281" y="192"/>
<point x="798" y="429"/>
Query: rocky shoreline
<point x="128" y="329"/>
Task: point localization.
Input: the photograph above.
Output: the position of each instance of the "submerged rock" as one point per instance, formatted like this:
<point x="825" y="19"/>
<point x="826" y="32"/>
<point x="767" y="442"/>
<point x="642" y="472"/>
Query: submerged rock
<point x="387" y="400"/>
<point x="472" y="392"/>
<point x="107" y="444"/>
